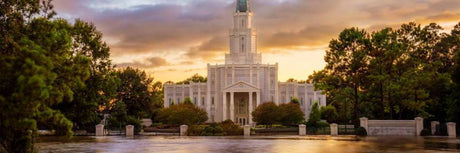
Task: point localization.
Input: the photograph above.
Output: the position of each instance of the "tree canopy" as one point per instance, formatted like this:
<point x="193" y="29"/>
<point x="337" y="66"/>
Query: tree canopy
<point x="391" y="73"/>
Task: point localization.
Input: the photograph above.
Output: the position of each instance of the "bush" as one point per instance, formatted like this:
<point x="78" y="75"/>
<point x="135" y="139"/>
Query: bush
<point x="215" y="129"/>
<point x="329" y="113"/>
<point x="291" y="114"/>
<point x="231" y="128"/>
<point x="180" y="114"/>
<point x="322" y="124"/>
<point x="361" y="131"/>
<point x="315" y="115"/>
<point x="196" y="130"/>
<point x="266" y="114"/>
<point x="425" y="132"/>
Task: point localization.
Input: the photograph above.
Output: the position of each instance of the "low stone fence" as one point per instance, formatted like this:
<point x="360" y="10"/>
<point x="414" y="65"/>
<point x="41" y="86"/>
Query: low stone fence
<point x="392" y="127"/>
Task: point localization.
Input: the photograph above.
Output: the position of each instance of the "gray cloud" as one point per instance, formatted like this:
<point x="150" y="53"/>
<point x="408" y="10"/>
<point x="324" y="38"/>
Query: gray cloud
<point x="200" y="27"/>
<point x="151" y="62"/>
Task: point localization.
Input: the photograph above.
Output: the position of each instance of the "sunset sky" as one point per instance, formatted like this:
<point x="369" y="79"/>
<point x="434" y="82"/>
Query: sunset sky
<point x="174" y="39"/>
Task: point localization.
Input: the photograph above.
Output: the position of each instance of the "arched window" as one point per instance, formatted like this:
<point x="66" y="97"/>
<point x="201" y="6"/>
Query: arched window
<point x="242" y="23"/>
<point x="242" y="44"/>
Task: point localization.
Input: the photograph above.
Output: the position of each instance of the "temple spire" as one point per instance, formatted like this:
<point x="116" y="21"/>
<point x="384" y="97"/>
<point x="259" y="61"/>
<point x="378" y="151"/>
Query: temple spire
<point x="242" y="6"/>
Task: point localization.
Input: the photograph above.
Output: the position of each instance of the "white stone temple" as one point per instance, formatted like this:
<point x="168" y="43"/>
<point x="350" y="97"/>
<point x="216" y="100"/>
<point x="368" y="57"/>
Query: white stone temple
<point x="234" y="89"/>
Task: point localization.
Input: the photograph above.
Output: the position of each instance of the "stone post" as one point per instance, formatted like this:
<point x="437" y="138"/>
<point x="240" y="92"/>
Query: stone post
<point x="434" y="124"/>
<point x="334" y="129"/>
<point x="247" y="130"/>
<point x="418" y="125"/>
<point x="363" y="123"/>
<point x="183" y="130"/>
<point x="451" y="130"/>
<point x="100" y="130"/>
<point x="129" y="130"/>
<point x="302" y="130"/>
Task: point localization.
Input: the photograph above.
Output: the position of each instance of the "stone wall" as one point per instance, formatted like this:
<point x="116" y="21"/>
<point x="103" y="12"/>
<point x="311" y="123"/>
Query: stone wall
<point x="393" y="127"/>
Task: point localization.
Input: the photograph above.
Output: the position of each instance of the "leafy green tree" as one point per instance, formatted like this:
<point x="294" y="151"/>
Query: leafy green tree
<point x="183" y="113"/>
<point x="291" y="114"/>
<point x="134" y="92"/>
<point x="100" y="87"/>
<point x="347" y="61"/>
<point x="454" y="98"/>
<point x="401" y="73"/>
<point x="195" y="78"/>
<point x="40" y="68"/>
<point x="266" y="114"/>
<point x="315" y="115"/>
<point x="157" y="95"/>
<point x="187" y="100"/>
<point x="329" y="113"/>
<point x="295" y="100"/>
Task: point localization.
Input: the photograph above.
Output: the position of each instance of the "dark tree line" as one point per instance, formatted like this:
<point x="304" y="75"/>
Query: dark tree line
<point x="393" y="73"/>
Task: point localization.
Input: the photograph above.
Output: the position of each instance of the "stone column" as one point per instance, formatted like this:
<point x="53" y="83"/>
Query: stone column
<point x="225" y="77"/>
<point x="165" y="97"/>
<point x="451" y="130"/>
<point x="224" y="106"/>
<point x="302" y="130"/>
<point x="315" y="98"/>
<point x="363" y="123"/>
<point x="208" y="94"/>
<point x="434" y="124"/>
<point x="183" y="130"/>
<point x="334" y="129"/>
<point x="418" y="125"/>
<point x="250" y="74"/>
<point x="174" y="96"/>
<point x="258" y="98"/>
<point x="199" y="95"/>
<point x="232" y="106"/>
<point x="286" y="88"/>
<point x="183" y="94"/>
<point x="233" y="74"/>
<point x="129" y="130"/>
<point x="250" y="108"/>
<point x="100" y="130"/>
<point x="190" y="93"/>
<point x="247" y="130"/>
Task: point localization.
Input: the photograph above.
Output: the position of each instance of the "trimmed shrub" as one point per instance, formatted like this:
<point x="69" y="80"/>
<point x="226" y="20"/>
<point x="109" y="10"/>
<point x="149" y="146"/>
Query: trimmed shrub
<point x="231" y="128"/>
<point x="291" y="114"/>
<point x="266" y="114"/>
<point x="184" y="113"/>
<point x="196" y="130"/>
<point x="361" y="131"/>
<point x="329" y="113"/>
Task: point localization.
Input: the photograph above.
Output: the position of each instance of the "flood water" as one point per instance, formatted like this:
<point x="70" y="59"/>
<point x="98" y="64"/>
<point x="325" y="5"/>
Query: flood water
<point x="266" y="144"/>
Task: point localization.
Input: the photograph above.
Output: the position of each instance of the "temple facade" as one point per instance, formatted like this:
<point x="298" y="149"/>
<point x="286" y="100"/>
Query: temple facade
<point x="234" y="89"/>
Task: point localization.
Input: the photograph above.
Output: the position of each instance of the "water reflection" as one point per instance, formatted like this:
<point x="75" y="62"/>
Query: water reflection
<point x="290" y="144"/>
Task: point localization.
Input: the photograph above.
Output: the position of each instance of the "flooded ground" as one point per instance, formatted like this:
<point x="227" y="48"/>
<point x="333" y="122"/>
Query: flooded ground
<point x="266" y="144"/>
